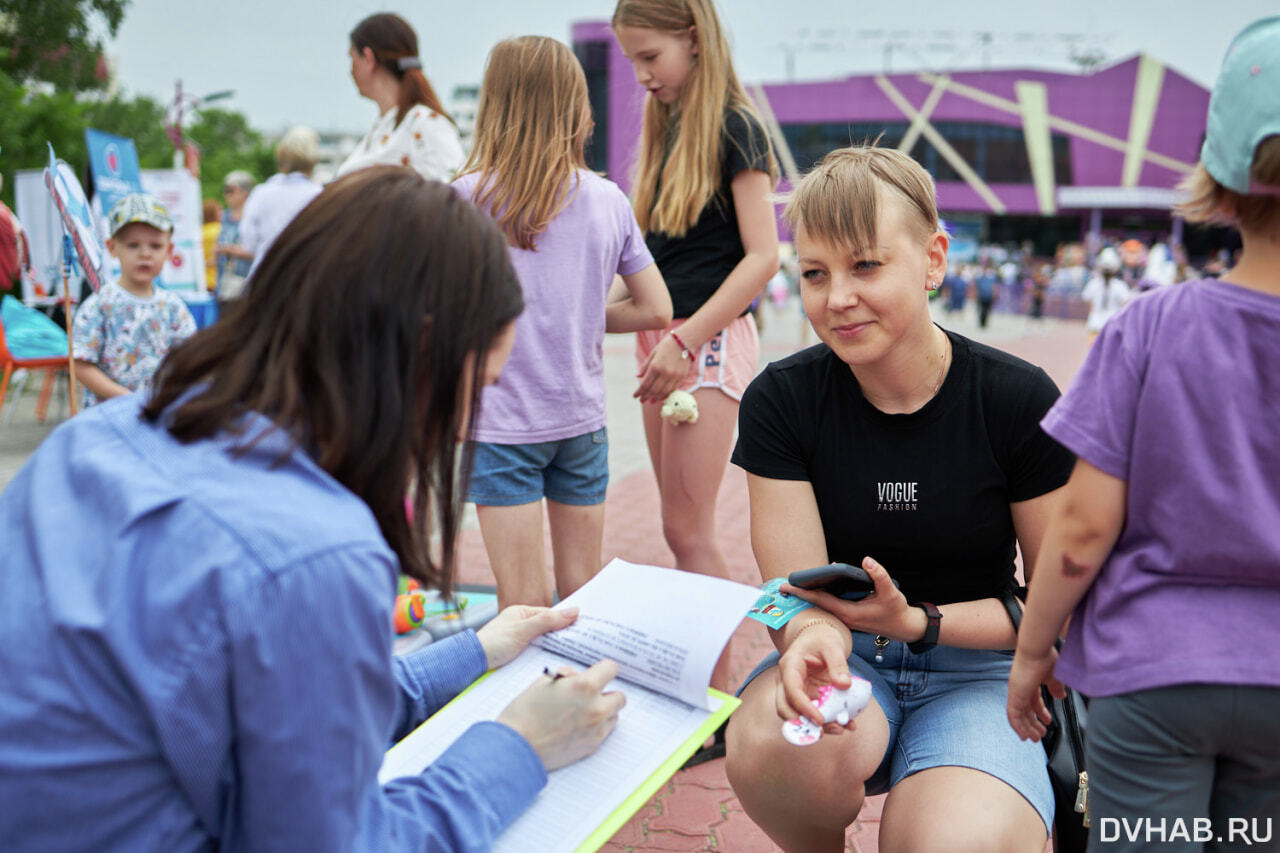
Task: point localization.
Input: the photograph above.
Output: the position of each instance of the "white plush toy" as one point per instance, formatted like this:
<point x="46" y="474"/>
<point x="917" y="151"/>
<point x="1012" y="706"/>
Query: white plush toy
<point x="680" y="407"/>
<point x="835" y="705"/>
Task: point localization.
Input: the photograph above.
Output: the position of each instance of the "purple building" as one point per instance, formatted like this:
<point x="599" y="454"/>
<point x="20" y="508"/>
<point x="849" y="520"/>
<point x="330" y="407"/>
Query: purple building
<point x="1016" y="154"/>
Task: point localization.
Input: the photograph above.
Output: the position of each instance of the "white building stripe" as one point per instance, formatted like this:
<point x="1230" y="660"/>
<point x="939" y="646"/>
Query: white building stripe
<point x="944" y="148"/>
<point x="1071" y="128"/>
<point x="1146" y="96"/>
<point x="926" y="110"/>
<point x="1034" y="101"/>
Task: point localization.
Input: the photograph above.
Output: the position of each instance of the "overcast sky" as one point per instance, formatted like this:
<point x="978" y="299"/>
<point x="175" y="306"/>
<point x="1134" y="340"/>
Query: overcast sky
<point x="287" y="62"/>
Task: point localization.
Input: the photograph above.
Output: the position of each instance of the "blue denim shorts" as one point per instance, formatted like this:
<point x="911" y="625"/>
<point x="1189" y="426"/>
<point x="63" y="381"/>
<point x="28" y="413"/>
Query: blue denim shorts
<point x="572" y="471"/>
<point x="946" y="708"/>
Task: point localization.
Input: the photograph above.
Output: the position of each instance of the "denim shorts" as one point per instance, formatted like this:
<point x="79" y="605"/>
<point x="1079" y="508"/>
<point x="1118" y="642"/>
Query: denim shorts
<point x="572" y="471"/>
<point x="946" y="708"/>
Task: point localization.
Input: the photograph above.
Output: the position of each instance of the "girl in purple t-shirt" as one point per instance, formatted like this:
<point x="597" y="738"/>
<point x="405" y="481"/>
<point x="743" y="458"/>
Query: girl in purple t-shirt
<point x="541" y="430"/>
<point x="1166" y="544"/>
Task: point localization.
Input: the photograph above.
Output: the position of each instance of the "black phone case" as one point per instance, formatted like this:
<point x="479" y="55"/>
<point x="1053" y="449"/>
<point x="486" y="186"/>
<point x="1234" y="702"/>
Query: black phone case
<point x="840" y="579"/>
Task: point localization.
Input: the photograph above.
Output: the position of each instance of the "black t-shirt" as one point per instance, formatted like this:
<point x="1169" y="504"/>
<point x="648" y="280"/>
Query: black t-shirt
<point x="926" y="494"/>
<point x="695" y="265"/>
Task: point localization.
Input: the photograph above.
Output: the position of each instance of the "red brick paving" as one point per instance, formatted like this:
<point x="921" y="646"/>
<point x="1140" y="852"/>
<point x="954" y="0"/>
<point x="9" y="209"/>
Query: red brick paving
<point x="696" y="810"/>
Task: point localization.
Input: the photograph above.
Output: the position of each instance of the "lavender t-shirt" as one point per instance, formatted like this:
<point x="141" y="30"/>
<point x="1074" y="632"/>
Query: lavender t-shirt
<point x="553" y="385"/>
<point x="1180" y="397"/>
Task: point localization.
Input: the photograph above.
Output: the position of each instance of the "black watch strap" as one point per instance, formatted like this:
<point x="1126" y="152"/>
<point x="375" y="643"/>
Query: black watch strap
<point x="933" y="617"/>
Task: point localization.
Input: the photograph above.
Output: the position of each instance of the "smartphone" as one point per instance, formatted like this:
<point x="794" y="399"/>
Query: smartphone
<point x="840" y="579"/>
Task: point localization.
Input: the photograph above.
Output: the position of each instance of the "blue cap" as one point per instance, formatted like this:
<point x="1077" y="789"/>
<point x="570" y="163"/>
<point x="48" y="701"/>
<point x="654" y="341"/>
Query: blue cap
<point x="1245" y="107"/>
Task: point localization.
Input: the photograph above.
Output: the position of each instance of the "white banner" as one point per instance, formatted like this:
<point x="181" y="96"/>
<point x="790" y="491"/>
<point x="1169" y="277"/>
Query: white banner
<point x="178" y="191"/>
<point x="39" y="218"/>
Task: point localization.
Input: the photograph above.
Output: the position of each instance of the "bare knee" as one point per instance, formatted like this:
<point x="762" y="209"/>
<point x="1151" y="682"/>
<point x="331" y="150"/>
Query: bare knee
<point x="932" y="836"/>
<point x="800" y="796"/>
<point x="969" y="811"/>
<point x="686" y="537"/>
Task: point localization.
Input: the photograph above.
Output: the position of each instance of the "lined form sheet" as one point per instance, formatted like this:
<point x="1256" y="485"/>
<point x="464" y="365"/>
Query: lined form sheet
<point x="578" y="798"/>
<point x="665" y="629"/>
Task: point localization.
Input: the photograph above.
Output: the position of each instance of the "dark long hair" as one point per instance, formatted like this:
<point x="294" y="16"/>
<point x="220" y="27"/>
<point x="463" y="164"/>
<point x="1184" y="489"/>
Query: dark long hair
<point x="391" y="38"/>
<point x="363" y="329"/>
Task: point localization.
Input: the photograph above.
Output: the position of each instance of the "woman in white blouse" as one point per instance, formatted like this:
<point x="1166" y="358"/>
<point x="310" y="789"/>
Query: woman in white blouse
<point x="412" y="129"/>
<point x="1106" y="292"/>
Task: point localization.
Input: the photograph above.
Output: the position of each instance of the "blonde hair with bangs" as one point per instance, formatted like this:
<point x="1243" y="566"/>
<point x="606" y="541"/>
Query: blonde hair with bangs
<point x="837" y="202"/>
<point x="532" y="125"/>
<point x="672" y="187"/>
<point x="1209" y="201"/>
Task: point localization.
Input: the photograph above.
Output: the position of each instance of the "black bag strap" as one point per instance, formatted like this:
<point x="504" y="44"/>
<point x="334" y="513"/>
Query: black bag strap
<point x="1068" y="725"/>
<point x="1012" y="600"/>
<point x="1013" y="607"/>
<point x="1071" y="723"/>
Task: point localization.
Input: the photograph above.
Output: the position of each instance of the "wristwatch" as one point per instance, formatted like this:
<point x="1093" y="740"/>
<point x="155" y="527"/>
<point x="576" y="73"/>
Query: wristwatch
<point x="933" y="617"/>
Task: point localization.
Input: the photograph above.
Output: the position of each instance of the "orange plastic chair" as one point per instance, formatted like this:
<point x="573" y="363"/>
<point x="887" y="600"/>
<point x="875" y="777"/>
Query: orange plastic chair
<point x="50" y="366"/>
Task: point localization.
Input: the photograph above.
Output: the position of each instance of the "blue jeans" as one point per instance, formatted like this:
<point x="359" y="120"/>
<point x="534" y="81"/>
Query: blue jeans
<point x="946" y="708"/>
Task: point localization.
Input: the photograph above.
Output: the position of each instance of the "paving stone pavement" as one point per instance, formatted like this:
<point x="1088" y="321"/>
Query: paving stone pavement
<point x="695" y="810"/>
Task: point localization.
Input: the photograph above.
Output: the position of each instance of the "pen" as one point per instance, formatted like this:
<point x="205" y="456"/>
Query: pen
<point x="554" y="676"/>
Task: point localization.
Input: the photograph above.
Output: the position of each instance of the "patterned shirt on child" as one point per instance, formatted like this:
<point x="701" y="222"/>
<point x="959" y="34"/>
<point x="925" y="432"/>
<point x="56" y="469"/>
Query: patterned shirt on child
<point x="126" y="336"/>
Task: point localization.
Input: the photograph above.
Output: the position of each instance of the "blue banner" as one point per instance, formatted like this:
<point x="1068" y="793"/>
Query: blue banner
<point x="114" y="162"/>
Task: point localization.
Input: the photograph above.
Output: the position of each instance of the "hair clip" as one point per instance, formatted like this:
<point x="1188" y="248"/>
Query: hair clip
<point x="408" y="63"/>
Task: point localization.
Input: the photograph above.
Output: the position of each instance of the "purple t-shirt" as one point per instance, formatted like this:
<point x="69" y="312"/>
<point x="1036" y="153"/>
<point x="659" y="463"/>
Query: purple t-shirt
<point x="1180" y="397"/>
<point x="553" y="384"/>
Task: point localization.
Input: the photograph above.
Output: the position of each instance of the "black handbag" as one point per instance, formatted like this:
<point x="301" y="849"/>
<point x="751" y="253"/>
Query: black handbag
<point x="1064" y="750"/>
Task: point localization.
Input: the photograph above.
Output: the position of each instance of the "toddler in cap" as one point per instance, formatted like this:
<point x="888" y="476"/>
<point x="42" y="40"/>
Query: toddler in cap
<point x="122" y="332"/>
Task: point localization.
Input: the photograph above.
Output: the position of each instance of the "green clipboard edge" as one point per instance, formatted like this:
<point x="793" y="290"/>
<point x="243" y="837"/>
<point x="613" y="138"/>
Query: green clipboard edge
<point x="658" y="778"/>
<point x="650" y="786"/>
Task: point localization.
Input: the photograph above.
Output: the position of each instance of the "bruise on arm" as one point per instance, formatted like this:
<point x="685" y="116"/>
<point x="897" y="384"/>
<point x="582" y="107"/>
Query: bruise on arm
<point x="1071" y="568"/>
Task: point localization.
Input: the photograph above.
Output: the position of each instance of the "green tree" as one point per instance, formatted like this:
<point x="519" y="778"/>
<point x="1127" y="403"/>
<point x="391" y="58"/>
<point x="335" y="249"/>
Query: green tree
<point x="55" y="41"/>
<point x="37" y="40"/>
<point x="30" y="119"/>
<point x="227" y="143"/>
<point x="140" y="119"/>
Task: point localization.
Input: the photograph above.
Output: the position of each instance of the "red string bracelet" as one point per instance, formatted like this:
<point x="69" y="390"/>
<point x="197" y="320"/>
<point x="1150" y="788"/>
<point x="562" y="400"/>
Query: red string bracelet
<point x="685" y="352"/>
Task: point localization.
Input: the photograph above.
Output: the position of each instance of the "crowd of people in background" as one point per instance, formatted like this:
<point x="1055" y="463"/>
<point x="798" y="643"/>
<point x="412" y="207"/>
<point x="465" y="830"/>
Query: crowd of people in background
<point x="1016" y="280"/>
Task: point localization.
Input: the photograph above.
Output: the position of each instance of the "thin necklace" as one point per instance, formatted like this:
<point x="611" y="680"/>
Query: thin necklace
<point x="942" y="368"/>
<point x="937" y="385"/>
